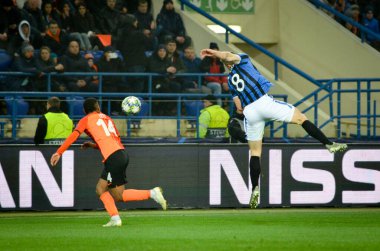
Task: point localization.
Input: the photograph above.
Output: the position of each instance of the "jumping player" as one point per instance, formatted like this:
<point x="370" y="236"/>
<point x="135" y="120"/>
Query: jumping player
<point x="110" y="187"/>
<point x="249" y="91"/>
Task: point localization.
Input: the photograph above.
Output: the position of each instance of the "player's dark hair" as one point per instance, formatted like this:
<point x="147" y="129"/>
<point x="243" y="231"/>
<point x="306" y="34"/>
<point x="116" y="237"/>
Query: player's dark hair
<point x="89" y="105"/>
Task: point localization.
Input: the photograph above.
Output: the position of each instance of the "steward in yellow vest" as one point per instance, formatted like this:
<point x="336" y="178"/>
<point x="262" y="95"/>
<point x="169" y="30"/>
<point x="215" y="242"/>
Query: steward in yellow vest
<point x="213" y="119"/>
<point x="54" y="126"/>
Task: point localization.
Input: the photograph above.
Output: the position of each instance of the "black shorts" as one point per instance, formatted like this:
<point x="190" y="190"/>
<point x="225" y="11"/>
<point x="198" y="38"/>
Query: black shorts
<point x="115" y="167"/>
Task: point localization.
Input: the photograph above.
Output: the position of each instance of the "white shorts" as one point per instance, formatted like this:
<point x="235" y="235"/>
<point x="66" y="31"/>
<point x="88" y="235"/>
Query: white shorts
<point x="262" y="110"/>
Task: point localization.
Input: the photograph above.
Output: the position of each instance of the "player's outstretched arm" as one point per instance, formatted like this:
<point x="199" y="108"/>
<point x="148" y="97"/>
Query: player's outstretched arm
<point x="226" y="56"/>
<point x="71" y="139"/>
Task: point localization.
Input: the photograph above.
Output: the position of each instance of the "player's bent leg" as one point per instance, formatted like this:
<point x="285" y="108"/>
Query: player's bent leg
<point x="298" y="117"/>
<point x="135" y="195"/>
<point x="315" y="132"/>
<point x="109" y="203"/>
<point x="101" y="187"/>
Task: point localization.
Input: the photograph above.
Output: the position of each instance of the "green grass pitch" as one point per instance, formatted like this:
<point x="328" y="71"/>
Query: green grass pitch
<point x="217" y="229"/>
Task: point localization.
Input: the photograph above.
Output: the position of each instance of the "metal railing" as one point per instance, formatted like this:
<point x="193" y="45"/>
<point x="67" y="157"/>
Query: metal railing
<point x="332" y="91"/>
<point x="107" y="98"/>
<point x="363" y="91"/>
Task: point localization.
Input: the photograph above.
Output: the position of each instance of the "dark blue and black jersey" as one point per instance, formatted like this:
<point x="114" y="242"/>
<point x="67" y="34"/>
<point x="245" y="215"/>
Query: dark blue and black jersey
<point x="246" y="82"/>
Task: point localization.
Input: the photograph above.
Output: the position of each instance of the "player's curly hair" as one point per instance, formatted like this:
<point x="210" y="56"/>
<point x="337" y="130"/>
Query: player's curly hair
<point x="89" y="105"/>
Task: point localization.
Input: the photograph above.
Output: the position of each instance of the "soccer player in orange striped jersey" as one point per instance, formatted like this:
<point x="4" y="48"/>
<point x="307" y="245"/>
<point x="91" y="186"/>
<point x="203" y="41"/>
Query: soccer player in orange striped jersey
<point x="110" y="187"/>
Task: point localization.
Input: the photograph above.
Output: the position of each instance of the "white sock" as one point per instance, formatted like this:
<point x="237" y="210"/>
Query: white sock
<point x="115" y="217"/>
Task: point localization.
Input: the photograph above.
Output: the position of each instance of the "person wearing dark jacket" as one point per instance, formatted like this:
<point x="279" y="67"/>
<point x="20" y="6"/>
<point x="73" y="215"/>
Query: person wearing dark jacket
<point x="159" y="63"/>
<point x="110" y="62"/>
<point x="109" y="17"/>
<point x="54" y="126"/>
<point x="72" y="61"/>
<point x="170" y="26"/>
<point x="46" y="64"/>
<point x="26" y="63"/>
<point x="56" y="39"/>
<point x="35" y="16"/>
<point x="132" y="44"/>
<point x="146" y="24"/>
<point x="10" y="17"/>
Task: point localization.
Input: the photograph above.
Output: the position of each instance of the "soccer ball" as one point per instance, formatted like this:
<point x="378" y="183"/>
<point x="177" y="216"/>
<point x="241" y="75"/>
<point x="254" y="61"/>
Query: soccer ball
<point x="131" y="105"/>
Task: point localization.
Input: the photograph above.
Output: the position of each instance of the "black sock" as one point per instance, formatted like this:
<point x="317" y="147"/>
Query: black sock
<point x="254" y="170"/>
<point x="314" y="132"/>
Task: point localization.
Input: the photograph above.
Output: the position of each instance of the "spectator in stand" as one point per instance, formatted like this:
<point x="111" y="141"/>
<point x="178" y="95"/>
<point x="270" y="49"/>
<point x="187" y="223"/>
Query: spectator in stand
<point x="111" y="62"/>
<point x="84" y="25"/>
<point x="56" y="39"/>
<point x="193" y="65"/>
<point x="54" y="126"/>
<point x="349" y="3"/>
<point x="353" y="12"/>
<point x="109" y="17"/>
<point x="26" y="63"/>
<point x="371" y="23"/>
<point x="66" y="17"/>
<point x="49" y="13"/>
<point x="10" y="17"/>
<point x="159" y="63"/>
<point x="95" y="7"/>
<point x="175" y="60"/>
<point x="46" y="64"/>
<point x="25" y="35"/>
<point x="146" y="24"/>
<point x="133" y="5"/>
<point x="170" y="26"/>
<point x="36" y="19"/>
<point x="214" y="65"/>
<point x="74" y="62"/>
<point x="132" y="44"/>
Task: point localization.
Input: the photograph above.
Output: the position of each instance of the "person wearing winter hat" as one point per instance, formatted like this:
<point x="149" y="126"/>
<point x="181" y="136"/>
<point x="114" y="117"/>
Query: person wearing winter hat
<point x="170" y="26"/>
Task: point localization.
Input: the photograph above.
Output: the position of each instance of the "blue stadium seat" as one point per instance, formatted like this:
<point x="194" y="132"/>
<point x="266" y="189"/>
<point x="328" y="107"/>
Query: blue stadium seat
<point x="144" y="108"/>
<point x="76" y="106"/>
<point x="193" y="107"/>
<point x="5" y="60"/>
<point x="22" y="107"/>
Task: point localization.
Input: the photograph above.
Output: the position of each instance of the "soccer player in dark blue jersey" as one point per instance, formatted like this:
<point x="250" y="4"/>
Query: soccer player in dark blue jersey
<point x="249" y="91"/>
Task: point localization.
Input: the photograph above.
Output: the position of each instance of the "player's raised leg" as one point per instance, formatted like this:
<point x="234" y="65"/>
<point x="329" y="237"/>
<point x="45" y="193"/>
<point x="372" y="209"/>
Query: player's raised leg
<point x="300" y="119"/>
<point x="137" y="195"/>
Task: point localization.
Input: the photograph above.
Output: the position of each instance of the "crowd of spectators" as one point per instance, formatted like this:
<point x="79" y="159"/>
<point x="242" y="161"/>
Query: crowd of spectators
<point x="365" y="12"/>
<point x="46" y="36"/>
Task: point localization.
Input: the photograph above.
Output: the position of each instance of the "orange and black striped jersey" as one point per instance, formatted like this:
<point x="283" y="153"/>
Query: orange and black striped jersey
<point x="101" y="129"/>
